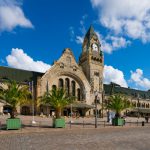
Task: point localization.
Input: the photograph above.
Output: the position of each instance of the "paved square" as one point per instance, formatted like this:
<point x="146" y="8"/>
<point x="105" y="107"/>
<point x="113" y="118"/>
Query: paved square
<point x="117" y="138"/>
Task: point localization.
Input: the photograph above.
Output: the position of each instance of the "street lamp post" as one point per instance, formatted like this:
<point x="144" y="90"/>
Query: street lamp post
<point x="138" y="106"/>
<point x="33" y="121"/>
<point x="84" y="96"/>
<point x="103" y="97"/>
<point x="96" y="95"/>
<point x="71" y="114"/>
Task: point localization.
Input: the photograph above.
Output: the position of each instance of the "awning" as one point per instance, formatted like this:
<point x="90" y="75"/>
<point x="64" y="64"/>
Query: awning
<point x="81" y="105"/>
<point x="141" y="110"/>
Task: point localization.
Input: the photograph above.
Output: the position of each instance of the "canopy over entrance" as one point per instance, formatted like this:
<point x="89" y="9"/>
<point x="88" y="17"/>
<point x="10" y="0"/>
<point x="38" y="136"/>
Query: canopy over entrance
<point x="81" y="105"/>
<point x="141" y="110"/>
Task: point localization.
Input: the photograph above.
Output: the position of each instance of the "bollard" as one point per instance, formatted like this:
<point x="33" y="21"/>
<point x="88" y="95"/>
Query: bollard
<point x="137" y="123"/>
<point x="104" y="123"/>
<point x="124" y="122"/>
<point x="70" y="124"/>
<point x="130" y="122"/>
<point x="39" y="124"/>
<point x="21" y="125"/>
<point x="142" y="123"/>
<point x="83" y="123"/>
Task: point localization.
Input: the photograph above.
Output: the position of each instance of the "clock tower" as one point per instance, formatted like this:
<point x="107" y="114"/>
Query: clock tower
<point x="91" y="60"/>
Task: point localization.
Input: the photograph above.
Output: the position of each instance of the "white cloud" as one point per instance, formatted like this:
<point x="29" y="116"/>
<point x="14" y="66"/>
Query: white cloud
<point x="19" y="59"/>
<point x="128" y="17"/>
<point x="71" y="33"/>
<point x="139" y="80"/>
<point x="82" y="23"/>
<point x="108" y="44"/>
<point x="12" y="15"/>
<point x="112" y="43"/>
<point x="79" y="39"/>
<point x="114" y="75"/>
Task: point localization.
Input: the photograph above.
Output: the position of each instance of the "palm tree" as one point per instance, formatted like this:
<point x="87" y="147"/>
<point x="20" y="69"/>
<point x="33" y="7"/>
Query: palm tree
<point x="118" y="103"/>
<point x="15" y="95"/>
<point x="58" y="99"/>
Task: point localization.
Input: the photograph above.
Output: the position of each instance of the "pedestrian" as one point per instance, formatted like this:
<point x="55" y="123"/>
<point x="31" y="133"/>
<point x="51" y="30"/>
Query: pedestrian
<point x="124" y="120"/>
<point x="146" y="118"/>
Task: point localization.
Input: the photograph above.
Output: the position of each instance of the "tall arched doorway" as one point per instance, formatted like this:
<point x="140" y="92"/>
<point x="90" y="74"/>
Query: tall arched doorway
<point x="79" y="94"/>
<point x="73" y="88"/>
<point x="61" y="83"/>
<point x="7" y="109"/>
<point x="67" y="86"/>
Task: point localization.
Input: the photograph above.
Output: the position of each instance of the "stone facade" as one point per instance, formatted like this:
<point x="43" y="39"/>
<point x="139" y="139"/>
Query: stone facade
<point x="80" y="80"/>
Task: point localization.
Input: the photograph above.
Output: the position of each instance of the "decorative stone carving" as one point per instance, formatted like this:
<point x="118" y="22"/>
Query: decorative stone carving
<point x="61" y="65"/>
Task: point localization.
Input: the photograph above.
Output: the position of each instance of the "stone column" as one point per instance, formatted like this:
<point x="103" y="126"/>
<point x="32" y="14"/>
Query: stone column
<point x="18" y="109"/>
<point x="1" y="108"/>
<point x="70" y="87"/>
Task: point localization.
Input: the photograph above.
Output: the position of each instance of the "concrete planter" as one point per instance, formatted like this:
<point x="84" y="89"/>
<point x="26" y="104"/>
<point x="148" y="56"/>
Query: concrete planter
<point x="59" y="123"/>
<point x="14" y="123"/>
<point x="117" y="122"/>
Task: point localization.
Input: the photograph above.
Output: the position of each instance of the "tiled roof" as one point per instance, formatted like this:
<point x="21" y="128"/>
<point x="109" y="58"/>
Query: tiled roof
<point x="18" y="74"/>
<point x="114" y="88"/>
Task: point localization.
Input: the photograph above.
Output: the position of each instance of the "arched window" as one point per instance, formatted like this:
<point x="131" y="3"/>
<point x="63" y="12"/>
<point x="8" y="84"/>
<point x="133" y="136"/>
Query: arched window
<point x="54" y="87"/>
<point x="73" y="88"/>
<point x="147" y="105"/>
<point x="134" y="104"/>
<point x="79" y="94"/>
<point x="138" y="104"/>
<point x="61" y="83"/>
<point x="67" y="85"/>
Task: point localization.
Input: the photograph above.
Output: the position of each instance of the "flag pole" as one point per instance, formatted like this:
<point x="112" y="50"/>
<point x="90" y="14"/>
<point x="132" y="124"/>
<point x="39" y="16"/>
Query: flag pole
<point x="33" y="119"/>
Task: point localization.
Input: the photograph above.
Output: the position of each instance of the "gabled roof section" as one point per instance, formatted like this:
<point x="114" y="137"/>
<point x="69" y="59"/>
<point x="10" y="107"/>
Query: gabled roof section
<point x="67" y="58"/>
<point x="67" y="50"/>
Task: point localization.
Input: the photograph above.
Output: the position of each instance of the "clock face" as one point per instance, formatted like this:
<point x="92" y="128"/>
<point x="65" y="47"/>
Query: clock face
<point x="95" y="47"/>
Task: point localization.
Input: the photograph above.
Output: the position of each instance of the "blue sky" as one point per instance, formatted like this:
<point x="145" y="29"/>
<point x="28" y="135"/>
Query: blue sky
<point x="34" y="34"/>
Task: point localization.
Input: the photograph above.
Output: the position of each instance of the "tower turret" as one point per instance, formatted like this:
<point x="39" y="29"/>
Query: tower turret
<point x="91" y="60"/>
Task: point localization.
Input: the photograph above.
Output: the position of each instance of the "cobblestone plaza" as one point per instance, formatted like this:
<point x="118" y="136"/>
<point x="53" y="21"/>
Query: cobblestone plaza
<point x="131" y="136"/>
<point x="120" y="138"/>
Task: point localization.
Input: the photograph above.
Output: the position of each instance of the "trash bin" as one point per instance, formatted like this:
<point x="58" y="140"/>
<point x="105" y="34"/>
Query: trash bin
<point x="124" y="121"/>
<point x="146" y="119"/>
<point x="142" y="123"/>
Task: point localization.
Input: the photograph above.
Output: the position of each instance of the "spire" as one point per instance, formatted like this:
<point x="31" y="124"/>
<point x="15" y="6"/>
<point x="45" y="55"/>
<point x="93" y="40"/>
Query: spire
<point x="91" y="43"/>
<point x="90" y="32"/>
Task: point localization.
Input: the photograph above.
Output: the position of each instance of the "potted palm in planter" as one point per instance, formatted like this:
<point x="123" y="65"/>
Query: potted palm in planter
<point x="58" y="99"/>
<point x="118" y="103"/>
<point x="15" y="95"/>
